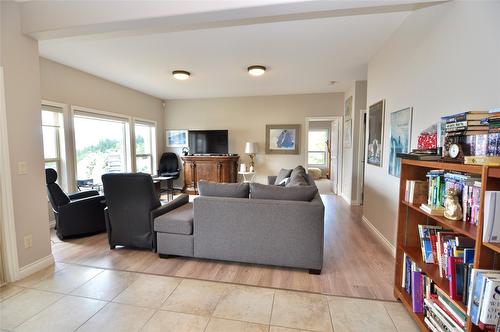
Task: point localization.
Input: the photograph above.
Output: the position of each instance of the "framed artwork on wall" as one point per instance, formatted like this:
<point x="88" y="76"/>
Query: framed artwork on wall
<point x="399" y="138"/>
<point x="348" y="133"/>
<point x="282" y="139"/>
<point x="376" y="133"/>
<point x="348" y="108"/>
<point x="177" y="138"/>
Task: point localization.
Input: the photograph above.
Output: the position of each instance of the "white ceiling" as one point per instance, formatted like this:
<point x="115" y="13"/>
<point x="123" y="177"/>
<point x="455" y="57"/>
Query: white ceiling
<point x="303" y="56"/>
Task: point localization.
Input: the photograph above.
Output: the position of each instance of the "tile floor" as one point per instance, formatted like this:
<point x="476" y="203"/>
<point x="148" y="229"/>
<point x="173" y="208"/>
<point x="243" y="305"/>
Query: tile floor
<point x="69" y="297"/>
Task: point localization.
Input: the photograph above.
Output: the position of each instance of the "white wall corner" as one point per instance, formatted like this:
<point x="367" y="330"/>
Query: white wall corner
<point x="345" y="198"/>
<point x="387" y="244"/>
<point x="36" y="266"/>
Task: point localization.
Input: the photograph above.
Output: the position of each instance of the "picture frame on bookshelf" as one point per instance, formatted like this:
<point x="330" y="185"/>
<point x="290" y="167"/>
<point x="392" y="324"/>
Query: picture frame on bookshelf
<point x="376" y="133"/>
<point x="400" y="138"/>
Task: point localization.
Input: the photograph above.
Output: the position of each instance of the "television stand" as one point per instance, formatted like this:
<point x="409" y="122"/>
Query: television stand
<point x="210" y="168"/>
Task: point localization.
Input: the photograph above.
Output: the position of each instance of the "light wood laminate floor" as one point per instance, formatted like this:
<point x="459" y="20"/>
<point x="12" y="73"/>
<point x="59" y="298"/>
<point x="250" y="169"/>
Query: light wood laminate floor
<point x="355" y="263"/>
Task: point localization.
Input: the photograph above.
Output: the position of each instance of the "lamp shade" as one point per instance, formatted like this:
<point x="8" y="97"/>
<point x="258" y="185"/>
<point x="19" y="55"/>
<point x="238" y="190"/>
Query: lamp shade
<point x="250" y="148"/>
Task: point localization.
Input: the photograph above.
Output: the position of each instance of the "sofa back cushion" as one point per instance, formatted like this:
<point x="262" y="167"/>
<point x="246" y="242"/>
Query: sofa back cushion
<point x="298" y="193"/>
<point x="282" y="177"/>
<point x="234" y="190"/>
<point x="298" y="177"/>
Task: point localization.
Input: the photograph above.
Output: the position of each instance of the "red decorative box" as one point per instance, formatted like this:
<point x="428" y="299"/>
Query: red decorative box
<point x="427" y="141"/>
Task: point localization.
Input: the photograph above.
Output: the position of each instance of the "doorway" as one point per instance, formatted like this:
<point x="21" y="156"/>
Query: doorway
<point x="323" y="154"/>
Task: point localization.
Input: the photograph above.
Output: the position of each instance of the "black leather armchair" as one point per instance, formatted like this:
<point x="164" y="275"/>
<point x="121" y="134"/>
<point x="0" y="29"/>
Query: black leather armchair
<point x="77" y="214"/>
<point x="132" y="206"/>
<point x="169" y="167"/>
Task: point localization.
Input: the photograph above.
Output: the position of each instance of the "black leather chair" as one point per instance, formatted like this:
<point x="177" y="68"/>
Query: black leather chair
<point x="132" y="206"/>
<point x="77" y="214"/>
<point x="169" y="167"/>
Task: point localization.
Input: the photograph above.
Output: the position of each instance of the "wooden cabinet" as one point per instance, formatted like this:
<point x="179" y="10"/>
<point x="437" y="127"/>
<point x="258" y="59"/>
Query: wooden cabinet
<point x="210" y="168"/>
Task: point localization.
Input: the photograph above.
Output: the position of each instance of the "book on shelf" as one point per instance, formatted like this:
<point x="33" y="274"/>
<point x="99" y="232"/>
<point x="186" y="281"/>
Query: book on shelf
<point x="428" y="238"/>
<point x="491" y="226"/>
<point x="480" y="304"/>
<point x="416" y="191"/>
<point x="482" y="160"/>
<point x="432" y="210"/>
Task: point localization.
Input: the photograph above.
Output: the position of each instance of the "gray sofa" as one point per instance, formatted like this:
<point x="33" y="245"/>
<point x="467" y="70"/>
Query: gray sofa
<point x="263" y="231"/>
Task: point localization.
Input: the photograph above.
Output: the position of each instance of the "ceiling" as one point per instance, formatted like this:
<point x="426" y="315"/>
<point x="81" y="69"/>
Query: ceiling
<point x="303" y="55"/>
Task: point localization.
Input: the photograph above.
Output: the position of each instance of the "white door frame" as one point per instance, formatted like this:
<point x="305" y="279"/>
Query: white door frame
<point x="339" y="121"/>
<point x="363" y="143"/>
<point x="7" y="225"/>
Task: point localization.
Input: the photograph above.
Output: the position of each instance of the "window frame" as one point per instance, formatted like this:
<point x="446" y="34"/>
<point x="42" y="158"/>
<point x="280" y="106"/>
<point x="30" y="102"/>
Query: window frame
<point x="325" y="152"/>
<point x="153" y="137"/>
<point x="79" y="111"/>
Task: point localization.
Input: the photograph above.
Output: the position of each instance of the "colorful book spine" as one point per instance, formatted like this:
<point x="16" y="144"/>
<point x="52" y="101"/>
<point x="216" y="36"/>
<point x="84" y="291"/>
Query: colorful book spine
<point x="491" y="302"/>
<point x="417" y="294"/>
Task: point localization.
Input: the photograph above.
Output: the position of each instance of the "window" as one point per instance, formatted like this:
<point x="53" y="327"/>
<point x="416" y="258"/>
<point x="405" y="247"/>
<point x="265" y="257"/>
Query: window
<point x="317" y="146"/>
<point x="145" y="147"/>
<point x="52" y="130"/>
<point x="102" y="146"/>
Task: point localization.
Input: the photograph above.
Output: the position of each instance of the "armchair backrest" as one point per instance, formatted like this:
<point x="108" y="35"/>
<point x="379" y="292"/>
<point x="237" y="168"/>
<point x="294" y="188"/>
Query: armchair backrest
<point x="130" y="198"/>
<point x="168" y="163"/>
<point x="57" y="197"/>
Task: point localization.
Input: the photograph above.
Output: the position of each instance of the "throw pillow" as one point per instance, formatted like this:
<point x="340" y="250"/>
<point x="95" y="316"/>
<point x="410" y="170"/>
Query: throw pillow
<point x="282" y="175"/>
<point x="302" y="193"/>
<point x="298" y="177"/>
<point x="234" y="190"/>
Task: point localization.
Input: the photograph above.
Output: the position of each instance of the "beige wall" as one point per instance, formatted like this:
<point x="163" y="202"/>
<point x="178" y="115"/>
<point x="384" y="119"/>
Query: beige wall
<point x="350" y="160"/>
<point x="63" y="84"/>
<point x="442" y="60"/>
<point x="19" y="56"/>
<point x="246" y="119"/>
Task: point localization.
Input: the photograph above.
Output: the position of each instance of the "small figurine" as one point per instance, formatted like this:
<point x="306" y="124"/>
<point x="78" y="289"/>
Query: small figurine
<point x="452" y="208"/>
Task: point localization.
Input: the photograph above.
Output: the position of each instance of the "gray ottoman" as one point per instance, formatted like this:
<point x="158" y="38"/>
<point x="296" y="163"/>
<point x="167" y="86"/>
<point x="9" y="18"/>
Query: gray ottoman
<point x="174" y="232"/>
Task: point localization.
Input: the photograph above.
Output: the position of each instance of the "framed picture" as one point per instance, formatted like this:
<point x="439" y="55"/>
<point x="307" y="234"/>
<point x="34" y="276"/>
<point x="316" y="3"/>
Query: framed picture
<point x="177" y="138"/>
<point x="348" y="108"/>
<point x="400" y="138"/>
<point x="375" y="133"/>
<point x="348" y="133"/>
<point x="282" y="139"/>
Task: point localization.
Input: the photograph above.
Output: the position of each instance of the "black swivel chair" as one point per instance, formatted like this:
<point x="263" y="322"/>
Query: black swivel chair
<point x="132" y="206"/>
<point x="77" y="214"/>
<point x="169" y="167"/>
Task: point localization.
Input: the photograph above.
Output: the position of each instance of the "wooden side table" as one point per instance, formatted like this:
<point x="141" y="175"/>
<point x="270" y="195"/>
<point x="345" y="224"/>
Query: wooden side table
<point x="248" y="176"/>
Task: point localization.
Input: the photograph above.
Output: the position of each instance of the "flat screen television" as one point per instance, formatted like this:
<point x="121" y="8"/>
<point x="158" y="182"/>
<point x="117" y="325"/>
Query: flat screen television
<point x="208" y="142"/>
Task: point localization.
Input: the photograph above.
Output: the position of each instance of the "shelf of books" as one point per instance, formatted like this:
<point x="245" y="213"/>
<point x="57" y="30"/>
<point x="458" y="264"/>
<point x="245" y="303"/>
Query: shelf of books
<point x="447" y="271"/>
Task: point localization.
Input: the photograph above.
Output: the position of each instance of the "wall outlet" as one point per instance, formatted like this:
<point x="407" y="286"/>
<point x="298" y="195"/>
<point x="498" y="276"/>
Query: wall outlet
<point x="22" y="168"/>
<point x="28" y="241"/>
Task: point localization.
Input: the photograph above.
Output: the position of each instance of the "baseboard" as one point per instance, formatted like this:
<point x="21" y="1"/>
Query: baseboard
<point x="36" y="266"/>
<point x="387" y="244"/>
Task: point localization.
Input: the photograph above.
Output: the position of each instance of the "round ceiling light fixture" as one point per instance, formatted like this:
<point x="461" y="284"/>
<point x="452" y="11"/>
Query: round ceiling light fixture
<point x="256" y="70"/>
<point x="181" y="75"/>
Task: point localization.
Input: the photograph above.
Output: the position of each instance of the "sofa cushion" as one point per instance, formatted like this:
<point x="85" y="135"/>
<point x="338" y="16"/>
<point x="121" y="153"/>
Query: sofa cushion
<point x="298" y="193"/>
<point x="177" y="221"/>
<point x="282" y="177"/>
<point x="298" y="177"/>
<point x="234" y="190"/>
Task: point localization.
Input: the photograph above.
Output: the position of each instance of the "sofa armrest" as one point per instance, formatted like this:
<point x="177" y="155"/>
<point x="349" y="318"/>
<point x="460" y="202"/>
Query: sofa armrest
<point x="83" y="194"/>
<point x="172" y="205"/>
<point x="271" y="179"/>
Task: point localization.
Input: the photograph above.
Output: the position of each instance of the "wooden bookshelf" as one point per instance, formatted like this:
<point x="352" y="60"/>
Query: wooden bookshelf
<point x="410" y="216"/>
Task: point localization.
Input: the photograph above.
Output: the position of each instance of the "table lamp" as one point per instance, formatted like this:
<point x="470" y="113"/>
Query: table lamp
<point x="251" y="150"/>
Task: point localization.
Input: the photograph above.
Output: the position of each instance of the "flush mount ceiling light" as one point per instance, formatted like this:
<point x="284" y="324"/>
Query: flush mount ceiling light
<point x="256" y="70"/>
<point x="181" y="75"/>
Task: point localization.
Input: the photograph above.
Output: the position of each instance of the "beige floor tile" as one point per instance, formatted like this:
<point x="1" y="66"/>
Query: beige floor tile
<point x="40" y="275"/>
<point x="67" y="279"/>
<point x="301" y="311"/>
<point x="118" y="317"/>
<point x="175" y="321"/>
<point x="148" y="291"/>
<point x="249" y="304"/>
<point x="107" y="285"/>
<point x="67" y="314"/>
<point x="195" y="297"/>
<point x="284" y="329"/>
<point x="9" y="290"/>
<point x="400" y="317"/>
<point x="23" y="306"/>
<point x="225" y="325"/>
<point x="359" y="315"/>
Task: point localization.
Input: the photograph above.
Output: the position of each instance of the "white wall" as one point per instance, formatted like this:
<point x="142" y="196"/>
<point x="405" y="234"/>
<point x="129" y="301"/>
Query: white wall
<point x="19" y="57"/>
<point x="246" y="119"/>
<point x="443" y="59"/>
